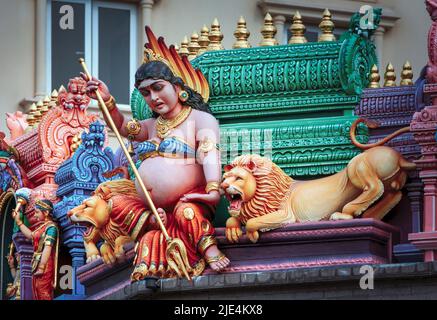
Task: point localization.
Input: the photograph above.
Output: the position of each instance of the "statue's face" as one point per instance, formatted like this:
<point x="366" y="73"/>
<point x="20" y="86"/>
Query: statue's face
<point x="74" y="103"/>
<point x="160" y="95"/>
<point x="40" y="215"/>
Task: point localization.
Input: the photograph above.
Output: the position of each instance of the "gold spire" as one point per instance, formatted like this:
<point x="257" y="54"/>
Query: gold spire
<point x="31" y="115"/>
<point x="374" y="77"/>
<point x="242" y="35"/>
<point x="268" y="32"/>
<point x="327" y="27"/>
<point x="297" y="30"/>
<point x="45" y="106"/>
<point x="33" y="108"/>
<point x="215" y="37"/>
<point x="390" y="76"/>
<point x="53" y="99"/>
<point x="407" y="74"/>
<point x="193" y="46"/>
<point x="39" y="104"/>
<point x="30" y="120"/>
<point x="37" y="114"/>
<point x="62" y="88"/>
<point x="183" y="50"/>
<point x="203" y="40"/>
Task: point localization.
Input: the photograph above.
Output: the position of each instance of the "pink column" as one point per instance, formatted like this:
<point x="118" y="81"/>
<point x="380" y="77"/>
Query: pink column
<point x="424" y="127"/>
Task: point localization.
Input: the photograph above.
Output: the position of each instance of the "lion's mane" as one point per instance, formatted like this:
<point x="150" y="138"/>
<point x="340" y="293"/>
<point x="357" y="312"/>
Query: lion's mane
<point x="124" y="199"/>
<point x="272" y="186"/>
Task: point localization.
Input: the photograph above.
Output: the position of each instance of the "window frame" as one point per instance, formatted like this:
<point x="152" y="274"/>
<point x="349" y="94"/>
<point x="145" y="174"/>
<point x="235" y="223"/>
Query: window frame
<point x="91" y="45"/>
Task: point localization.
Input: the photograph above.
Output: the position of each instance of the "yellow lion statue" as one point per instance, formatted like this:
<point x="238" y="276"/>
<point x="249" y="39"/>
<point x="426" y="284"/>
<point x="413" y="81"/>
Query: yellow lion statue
<point x="115" y="214"/>
<point x="262" y="197"/>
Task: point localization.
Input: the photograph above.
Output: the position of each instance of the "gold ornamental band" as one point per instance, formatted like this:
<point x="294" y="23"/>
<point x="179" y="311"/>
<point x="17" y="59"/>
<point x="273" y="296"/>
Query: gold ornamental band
<point x="205" y="243"/>
<point x="213" y="185"/>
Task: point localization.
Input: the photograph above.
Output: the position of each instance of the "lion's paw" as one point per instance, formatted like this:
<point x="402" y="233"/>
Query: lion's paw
<point x="340" y="216"/>
<point x="233" y="234"/>
<point x="253" y="236"/>
<point x="107" y="254"/>
<point x="93" y="258"/>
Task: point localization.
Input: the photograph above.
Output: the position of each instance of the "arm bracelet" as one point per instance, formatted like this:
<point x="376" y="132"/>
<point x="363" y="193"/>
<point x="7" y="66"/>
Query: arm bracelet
<point x="110" y="104"/>
<point x="213" y="185"/>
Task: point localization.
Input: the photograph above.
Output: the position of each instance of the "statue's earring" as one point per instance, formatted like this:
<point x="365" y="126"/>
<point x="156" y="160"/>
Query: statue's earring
<point x="183" y="96"/>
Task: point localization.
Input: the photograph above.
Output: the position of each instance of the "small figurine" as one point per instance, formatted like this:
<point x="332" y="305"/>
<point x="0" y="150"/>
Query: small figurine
<point x="45" y="239"/>
<point x="263" y="197"/>
<point x="13" y="258"/>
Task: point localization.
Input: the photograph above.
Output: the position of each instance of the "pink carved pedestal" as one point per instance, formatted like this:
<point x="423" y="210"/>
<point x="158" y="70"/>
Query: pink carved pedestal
<point x="424" y="126"/>
<point x="316" y="244"/>
<point x="313" y="244"/>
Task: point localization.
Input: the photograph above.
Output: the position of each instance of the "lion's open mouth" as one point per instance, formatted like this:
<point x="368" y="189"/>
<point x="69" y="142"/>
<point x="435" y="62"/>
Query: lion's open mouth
<point x="235" y="202"/>
<point x="83" y="223"/>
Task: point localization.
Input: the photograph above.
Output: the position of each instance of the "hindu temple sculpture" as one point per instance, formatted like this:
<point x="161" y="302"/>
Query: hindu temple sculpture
<point x="180" y="168"/>
<point x="262" y="197"/>
<point x="256" y="159"/>
<point x="45" y="240"/>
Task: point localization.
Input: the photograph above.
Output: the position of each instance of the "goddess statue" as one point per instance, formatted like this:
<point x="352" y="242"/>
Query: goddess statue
<point x="180" y="161"/>
<point x="45" y="239"/>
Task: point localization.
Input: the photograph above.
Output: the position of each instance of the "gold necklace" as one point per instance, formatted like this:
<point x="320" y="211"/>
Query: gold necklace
<point x="163" y="126"/>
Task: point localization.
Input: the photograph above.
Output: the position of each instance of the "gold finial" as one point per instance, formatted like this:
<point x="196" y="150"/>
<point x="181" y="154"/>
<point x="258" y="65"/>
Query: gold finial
<point x="37" y="113"/>
<point x="62" y="88"/>
<point x="53" y="99"/>
<point x="30" y="117"/>
<point x="45" y="106"/>
<point x="297" y="30"/>
<point x="407" y="74"/>
<point x="193" y="46"/>
<point x="268" y="32"/>
<point x="76" y="142"/>
<point x="30" y="120"/>
<point x="215" y="37"/>
<point x="327" y="27"/>
<point x="183" y="50"/>
<point x="54" y="95"/>
<point x="37" y="116"/>
<point x="374" y="77"/>
<point x="39" y="105"/>
<point x="242" y="35"/>
<point x="33" y="108"/>
<point x="203" y="40"/>
<point x="390" y="76"/>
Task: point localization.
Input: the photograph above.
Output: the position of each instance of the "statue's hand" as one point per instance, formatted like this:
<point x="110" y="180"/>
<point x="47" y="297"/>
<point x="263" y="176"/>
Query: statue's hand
<point x="95" y="84"/>
<point x="162" y="214"/>
<point x="38" y="272"/>
<point x="11" y="263"/>
<point x="211" y="198"/>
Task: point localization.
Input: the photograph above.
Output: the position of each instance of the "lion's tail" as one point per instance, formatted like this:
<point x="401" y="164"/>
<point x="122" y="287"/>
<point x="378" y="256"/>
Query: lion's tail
<point x="372" y="125"/>
<point x="406" y="165"/>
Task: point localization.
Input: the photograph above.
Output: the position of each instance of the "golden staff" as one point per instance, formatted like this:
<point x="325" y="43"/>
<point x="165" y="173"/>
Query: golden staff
<point x="176" y="252"/>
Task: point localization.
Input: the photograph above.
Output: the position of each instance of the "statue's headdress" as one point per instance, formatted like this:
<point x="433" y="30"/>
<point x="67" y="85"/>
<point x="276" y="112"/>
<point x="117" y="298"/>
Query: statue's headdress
<point x="44" y="205"/>
<point x="157" y="50"/>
